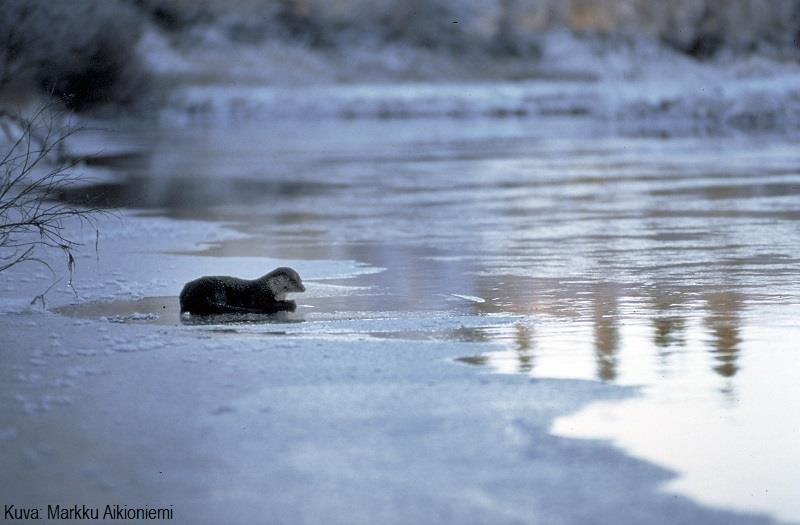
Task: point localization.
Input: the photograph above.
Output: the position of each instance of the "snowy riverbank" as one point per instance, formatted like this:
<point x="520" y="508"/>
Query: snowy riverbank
<point x="638" y="87"/>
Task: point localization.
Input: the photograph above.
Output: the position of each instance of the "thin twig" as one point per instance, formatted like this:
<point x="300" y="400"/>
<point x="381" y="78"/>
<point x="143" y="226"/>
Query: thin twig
<point x="31" y="218"/>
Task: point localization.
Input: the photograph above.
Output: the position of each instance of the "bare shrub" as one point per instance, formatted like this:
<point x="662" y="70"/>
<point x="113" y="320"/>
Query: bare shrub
<point x="33" y="171"/>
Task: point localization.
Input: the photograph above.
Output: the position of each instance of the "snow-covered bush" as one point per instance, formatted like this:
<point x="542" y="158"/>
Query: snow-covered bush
<point x="81" y="51"/>
<point x="697" y="27"/>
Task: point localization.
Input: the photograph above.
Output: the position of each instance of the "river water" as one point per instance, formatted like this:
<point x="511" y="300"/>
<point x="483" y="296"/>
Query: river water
<point x="665" y="262"/>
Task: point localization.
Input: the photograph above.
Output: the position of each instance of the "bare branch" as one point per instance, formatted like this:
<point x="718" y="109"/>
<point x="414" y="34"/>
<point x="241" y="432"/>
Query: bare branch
<point x="35" y="171"/>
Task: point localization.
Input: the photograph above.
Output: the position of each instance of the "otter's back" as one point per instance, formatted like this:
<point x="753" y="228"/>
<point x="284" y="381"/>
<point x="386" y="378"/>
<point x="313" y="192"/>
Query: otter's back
<point x="213" y="294"/>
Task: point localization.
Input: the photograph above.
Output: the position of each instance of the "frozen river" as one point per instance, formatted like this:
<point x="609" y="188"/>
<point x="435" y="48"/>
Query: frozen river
<point x="483" y="295"/>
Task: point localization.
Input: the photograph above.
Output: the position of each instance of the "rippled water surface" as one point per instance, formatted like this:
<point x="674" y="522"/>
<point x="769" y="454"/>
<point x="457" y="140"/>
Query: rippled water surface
<point x="670" y="263"/>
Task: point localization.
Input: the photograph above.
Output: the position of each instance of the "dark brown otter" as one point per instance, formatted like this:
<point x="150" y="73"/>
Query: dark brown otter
<point x="223" y="294"/>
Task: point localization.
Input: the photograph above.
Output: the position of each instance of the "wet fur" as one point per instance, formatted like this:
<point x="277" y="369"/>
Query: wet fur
<point x="224" y="294"/>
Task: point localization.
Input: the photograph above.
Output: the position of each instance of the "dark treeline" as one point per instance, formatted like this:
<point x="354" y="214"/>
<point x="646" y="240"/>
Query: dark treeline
<point x="84" y="52"/>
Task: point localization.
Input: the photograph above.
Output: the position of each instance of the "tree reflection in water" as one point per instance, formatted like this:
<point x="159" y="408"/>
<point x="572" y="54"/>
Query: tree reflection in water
<point x="608" y="317"/>
<point x="723" y="322"/>
<point x="606" y="331"/>
<point x="669" y="329"/>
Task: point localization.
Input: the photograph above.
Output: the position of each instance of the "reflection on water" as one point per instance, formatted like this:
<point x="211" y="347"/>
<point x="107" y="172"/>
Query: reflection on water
<point x="478" y="360"/>
<point x="634" y="260"/>
<point x="558" y="224"/>
<point x="723" y="324"/>
<point x="524" y="347"/>
<point x="598" y="321"/>
<point x="669" y="330"/>
<point x="606" y="332"/>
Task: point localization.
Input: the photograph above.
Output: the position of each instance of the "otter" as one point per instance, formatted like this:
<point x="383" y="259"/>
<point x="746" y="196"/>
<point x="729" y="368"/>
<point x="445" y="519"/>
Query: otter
<point x="224" y="295"/>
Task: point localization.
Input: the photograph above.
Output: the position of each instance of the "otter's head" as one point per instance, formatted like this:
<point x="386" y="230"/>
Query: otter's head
<point x="283" y="280"/>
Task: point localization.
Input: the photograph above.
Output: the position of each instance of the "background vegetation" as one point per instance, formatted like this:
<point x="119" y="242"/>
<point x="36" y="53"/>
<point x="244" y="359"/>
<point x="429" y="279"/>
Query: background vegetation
<point x="89" y="52"/>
